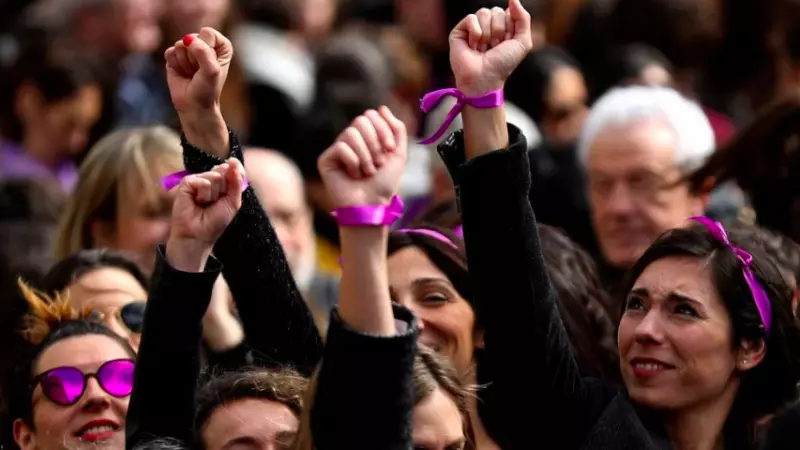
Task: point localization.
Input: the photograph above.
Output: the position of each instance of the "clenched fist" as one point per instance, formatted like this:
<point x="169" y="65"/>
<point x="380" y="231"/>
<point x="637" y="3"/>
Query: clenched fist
<point x="366" y="163"/>
<point x="487" y="46"/>
<point x="197" y="67"/>
<point x="206" y="203"/>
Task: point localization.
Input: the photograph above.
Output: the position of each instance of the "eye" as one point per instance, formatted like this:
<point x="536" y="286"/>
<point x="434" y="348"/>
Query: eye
<point x="686" y="309"/>
<point x="435" y="299"/>
<point x="634" y="304"/>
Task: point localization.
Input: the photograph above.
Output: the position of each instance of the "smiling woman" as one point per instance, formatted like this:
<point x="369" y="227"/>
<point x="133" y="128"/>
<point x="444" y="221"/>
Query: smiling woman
<point x="73" y="389"/>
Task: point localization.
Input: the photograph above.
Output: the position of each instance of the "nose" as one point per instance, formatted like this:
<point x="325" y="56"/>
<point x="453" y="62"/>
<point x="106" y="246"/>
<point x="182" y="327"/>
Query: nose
<point x="649" y="330"/>
<point x="620" y="199"/>
<point x="95" y="398"/>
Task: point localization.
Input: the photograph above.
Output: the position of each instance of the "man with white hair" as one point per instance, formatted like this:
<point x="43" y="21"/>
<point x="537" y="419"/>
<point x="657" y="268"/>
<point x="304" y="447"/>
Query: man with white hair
<point x="279" y="186"/>
<point x="637" y="145"/>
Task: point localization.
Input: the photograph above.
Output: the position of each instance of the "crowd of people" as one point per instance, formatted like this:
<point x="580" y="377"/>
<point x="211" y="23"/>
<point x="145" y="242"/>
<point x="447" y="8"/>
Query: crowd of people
<point x="399" y="224"/>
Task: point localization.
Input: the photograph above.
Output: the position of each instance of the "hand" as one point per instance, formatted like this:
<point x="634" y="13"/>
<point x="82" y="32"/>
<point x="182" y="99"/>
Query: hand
<point x="197" y="67"/>
<point x="487" y="46"/>
<point x="207" y="203"/>
<point x="366" y="163"/>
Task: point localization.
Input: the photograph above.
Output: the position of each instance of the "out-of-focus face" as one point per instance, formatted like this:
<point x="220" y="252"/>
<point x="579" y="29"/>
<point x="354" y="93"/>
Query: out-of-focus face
<point x="447" y="322"/>
<point x="96" y="421"/>
<point x="58" y="130"/>
<point x="675" y="338"/>
<point x="438" y="424"/>
<point x="115" y="294"/>
<point x="566" y="109"/>
<point x="424" y="21"/>
<point x="250" y="424"/>
<point x="635" y="191"/>
<point x="318" y="17"/>
<point x="189" y="16"/>
<point x="280" y="190"/>
<point x="137" y="24"/>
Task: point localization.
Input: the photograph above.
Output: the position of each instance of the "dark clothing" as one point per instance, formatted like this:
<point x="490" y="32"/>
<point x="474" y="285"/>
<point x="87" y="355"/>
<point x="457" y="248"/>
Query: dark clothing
<point x="560" y="409"/>
<point x="279" y="328"/>
<point x="365" y="396"/>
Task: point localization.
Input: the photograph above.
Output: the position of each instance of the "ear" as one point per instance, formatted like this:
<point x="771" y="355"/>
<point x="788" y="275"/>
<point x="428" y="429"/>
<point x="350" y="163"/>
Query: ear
<point x="27" y="101"/>
<point x="104" y="234"/>
<point x="750" y="354"/>
<point x="23" y="435"/>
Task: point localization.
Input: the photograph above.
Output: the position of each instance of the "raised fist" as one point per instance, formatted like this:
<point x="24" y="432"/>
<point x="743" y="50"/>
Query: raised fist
<point x="366" y="163"/>
<point x="206" y="203"/>
<point x="487" y="46"/>
<point x="197" y="67"/>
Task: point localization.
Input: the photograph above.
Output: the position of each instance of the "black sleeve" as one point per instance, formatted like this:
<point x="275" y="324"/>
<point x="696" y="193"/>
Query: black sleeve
<point x="163" y="401"/>
<point x="278" y="324"/>
<point x="527" y="351"/>
<point x="364" y="397"/>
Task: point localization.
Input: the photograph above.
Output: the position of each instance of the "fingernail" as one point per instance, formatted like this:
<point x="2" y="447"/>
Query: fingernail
<point x="187" y="40"/>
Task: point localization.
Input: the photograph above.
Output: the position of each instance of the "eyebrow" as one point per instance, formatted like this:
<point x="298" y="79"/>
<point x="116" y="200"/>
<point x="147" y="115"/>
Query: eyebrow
<point x="432" y="280"/>
<point x="674" y="296"/>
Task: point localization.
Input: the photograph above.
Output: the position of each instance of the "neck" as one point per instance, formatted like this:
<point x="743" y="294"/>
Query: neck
<point x="701" y="427"/>
<point x="39" y="151"/>
<point x="482" y="439"/>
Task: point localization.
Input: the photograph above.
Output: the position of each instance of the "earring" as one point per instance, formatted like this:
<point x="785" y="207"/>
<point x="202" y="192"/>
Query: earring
<point x="744" y="362"/>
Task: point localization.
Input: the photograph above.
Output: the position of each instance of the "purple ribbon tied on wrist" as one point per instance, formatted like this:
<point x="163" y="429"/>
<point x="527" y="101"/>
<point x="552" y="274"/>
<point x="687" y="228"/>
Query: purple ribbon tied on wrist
<point x="369" y="215"/>
<point x="174" y="179"/>
<point x="490" y="99"/>
<point x="756" y="289"/>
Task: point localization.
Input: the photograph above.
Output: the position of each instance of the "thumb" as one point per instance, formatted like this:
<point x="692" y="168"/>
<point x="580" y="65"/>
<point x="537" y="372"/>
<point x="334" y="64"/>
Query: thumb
<point x="521" y="20"/>
<point x="212" y="51"/>
<point x="235" y="179"/>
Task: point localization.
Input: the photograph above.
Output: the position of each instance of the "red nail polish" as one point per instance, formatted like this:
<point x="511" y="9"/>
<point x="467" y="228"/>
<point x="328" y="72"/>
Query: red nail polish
<point x="187" y="40"/>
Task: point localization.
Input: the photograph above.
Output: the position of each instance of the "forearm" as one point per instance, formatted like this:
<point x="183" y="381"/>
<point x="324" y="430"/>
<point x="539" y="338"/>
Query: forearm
<point x="187" y="255"/>
<point x="364" y="301"/>
<point x="207" y="131"/>
<point x="484" y="130"/>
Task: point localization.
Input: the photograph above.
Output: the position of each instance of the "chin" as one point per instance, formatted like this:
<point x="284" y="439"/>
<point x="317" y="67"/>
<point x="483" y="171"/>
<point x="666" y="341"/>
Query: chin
<point x="653" y="398"/>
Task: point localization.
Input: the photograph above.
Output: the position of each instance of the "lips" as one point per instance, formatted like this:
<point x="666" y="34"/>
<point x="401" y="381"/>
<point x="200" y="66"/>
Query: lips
<point x="98" y="429"/>
<point x="649" y="367"/>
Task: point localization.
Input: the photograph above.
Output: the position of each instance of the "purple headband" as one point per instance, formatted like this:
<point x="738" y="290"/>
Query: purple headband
<point x="759" y="294"/>
<point x="430" y="233"/>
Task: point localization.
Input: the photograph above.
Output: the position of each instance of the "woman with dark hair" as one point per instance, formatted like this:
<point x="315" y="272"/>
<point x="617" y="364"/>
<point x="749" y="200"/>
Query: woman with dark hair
<point x="107" y="283"/>
<point x="635" y="64"/>
<point x="549" y="86"/>
<point x="708" y="344"/>
<point x="50" y="100"/>
<point x="72" y="388"/>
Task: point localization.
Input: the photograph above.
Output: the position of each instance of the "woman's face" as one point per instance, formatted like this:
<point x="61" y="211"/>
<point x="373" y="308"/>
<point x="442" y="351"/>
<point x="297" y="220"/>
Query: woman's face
<point x="142" y="224"/>
<point x="566" y="109"/>
<point x="232" y="427"/>
<point x="189" y="16"/>
<point x="107" y="291"/>
<point x="96" y="421"/>
<point x="438" y="424"/>
<point x="62" y="127"/>
<point x="675" y="337"/>
<point x="447" y="321"/>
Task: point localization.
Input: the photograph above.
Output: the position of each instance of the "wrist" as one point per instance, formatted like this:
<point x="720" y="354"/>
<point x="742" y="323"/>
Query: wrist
<point x="474" y="89"/>
<point x="187" y="254"/>
<point x="207" y="131"/>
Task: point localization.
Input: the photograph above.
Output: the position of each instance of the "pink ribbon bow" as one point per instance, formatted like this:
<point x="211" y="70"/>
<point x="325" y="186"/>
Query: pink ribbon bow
<point x="490" y="99"/>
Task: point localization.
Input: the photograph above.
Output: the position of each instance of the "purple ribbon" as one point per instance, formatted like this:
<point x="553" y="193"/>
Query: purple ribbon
<point x="430" y="233"/>
<point x="369" y="215"/>
<point x="490" y="99"/>
<point x="459" y="231"/>
<point x="174" y="179"/>
<point x="759" y="294"/>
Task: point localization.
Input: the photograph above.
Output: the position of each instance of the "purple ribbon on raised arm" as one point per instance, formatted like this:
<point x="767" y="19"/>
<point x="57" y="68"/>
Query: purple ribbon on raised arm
<point x="174" y="179"/>
<point x="759" y="294"/>
<point x="369" y="215"/>
<point x="490" y="99"/>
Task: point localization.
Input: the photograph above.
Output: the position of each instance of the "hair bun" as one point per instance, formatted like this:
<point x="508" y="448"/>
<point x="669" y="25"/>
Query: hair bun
<point x="46" y="313"/>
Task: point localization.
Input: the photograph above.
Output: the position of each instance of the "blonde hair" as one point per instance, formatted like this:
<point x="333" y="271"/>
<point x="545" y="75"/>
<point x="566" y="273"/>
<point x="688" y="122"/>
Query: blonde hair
<point x="122" y="162"/>
<point x="46" y="313"/>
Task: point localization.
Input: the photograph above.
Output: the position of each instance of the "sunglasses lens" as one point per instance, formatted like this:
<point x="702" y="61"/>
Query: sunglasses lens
<point x="133" y="316"/>
<point x="116" y="377"/>
<point x="64" y="385"/>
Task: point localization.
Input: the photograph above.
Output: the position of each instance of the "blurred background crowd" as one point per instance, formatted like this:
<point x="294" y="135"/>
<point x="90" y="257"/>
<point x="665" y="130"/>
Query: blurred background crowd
<point x="87" y="127"/>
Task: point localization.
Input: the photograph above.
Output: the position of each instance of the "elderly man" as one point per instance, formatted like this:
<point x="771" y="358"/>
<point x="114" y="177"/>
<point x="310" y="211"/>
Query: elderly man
<point x="279" y="186"/>
<point x="636" y="146"/>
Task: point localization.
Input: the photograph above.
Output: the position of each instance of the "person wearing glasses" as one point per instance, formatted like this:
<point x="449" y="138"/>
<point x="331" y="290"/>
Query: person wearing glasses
<point x="111" y="285"/>
<point x="72" y="390"/>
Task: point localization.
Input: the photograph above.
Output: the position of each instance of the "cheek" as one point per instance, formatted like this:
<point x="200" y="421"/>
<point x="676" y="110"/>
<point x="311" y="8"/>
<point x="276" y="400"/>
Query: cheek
<point x="142" y="233"/>
<point x="706" y="354"/>
<point x="52" y="418"/>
